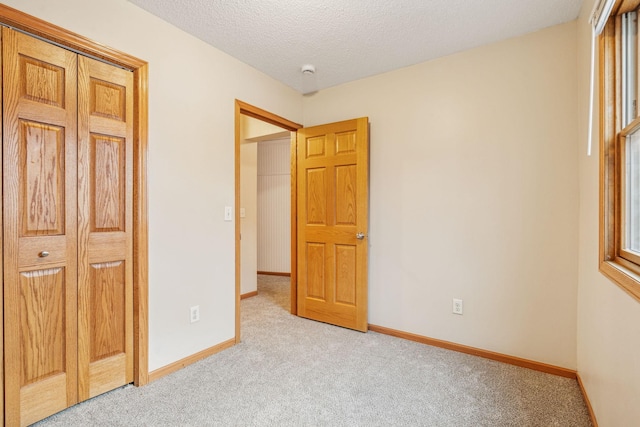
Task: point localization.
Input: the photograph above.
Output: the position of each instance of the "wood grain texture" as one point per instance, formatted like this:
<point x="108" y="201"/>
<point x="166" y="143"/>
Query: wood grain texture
<point x="592" y="414"/>
<point x="107" y="319"/>
<point x="624" y="6"/>
<point x="346" y="142"/>
<point x="42" y="399"/>
<point x="42" y="197"/>
<point x="345" y="274"/>
<point x="238" y="226"/>
<point x="108" y="100"/>
<point x="41" y="81"/>
<point x="72" y="41"/>
<point x="242" y="108"/>
<point x="141" y="226"/>
<point x="346" y="195"/>
<point x="622" y="170"/>
<point x="2" y="376"/>
<point x="40" y="317"/>
<point x="275" y="273"/>
<point x="332" y="208"/>
<point x="316" y="147"/>
<point x="249" y="295"/>
<point x="316" y="194"/>
<point x="294" y="225"/>
<point x="504" y="358"/>
<point x="108" y="373"/>
<point x="316" y="280"/>
<point x="620" y="271"/>
<point x="607" y="132"/>
<point x="183" y="363"/>
<point x="32" y="25"/>
<point x="30" y="250"/>
<point x="108" y="182"/>
<point x="266" y="116"/>
<point x="105" y="227"/>
<point x="107" y="246"/>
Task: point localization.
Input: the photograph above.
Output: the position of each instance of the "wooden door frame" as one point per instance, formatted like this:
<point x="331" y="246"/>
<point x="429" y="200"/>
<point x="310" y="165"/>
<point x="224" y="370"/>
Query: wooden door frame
<point x="37" y="27"/>
<point x="242" y="108"/>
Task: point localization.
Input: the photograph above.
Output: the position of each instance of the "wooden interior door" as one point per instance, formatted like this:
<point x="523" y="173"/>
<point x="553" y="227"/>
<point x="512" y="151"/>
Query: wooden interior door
<point x="39" y="228"/>
<point x="105" y="225"/>
<point x="332" y="199"/>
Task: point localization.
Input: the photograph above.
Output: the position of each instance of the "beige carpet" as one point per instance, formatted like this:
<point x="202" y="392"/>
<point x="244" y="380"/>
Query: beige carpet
<point x="290" y="371"/>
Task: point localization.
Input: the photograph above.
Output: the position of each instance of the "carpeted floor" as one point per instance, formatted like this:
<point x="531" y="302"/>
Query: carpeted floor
<point x="290" y="371"/>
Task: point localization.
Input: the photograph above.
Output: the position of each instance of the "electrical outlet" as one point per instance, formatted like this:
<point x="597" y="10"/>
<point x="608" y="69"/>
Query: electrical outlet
<point x="457" y="306"/>
<point x="195" y="313"/>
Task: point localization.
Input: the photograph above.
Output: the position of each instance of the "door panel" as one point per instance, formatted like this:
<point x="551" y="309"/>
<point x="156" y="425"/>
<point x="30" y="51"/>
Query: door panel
<point x="332" y="186"/>
<point x="107" y="156"/>
<point x="39" y="228"/>
<point x="41" y="323"/>
<point x="316" y="196"/>
<point x="315" y="265"/>
<point x="346" y="195"/>
<point x="41" y="148"/>
<point x="105" y="201"/>
<point x="345" y="275"/>
<point x="107" y="292"/>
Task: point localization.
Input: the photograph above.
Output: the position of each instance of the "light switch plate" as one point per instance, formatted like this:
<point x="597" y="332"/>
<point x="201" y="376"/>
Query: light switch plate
<point x="228" y="213"/>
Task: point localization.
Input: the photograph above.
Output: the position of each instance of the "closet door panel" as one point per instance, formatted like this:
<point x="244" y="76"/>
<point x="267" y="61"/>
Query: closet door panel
<point x="105" y="195"/>
<point x="39" y="227"/>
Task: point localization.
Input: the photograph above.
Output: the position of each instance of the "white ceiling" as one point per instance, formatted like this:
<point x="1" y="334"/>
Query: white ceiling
<point x="350" y="39"/>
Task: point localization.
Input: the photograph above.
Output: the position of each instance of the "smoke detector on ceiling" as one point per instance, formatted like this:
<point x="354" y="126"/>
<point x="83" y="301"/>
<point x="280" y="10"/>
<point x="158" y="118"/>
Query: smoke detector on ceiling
<point x="308" y="69"/>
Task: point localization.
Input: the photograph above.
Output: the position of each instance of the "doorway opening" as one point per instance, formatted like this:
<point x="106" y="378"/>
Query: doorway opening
<point x="245" y="110"/>
<point x="265" y="196"/>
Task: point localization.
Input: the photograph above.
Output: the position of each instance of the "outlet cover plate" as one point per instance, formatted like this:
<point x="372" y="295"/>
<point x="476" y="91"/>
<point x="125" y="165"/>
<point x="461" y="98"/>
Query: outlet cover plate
<point x="194" y="313"/>
<point x="457" y="306"/>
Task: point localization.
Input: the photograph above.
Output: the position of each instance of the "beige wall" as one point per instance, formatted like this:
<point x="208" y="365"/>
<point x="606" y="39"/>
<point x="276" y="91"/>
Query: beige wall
<point x="248" y="202"/>
<point x="608" y="318"/>
<point x="192" y="89"/>
<point x="480" y="189"/>
<point x="474" y="194"/>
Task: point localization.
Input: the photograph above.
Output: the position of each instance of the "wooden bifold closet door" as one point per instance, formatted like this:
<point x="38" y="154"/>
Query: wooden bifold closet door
<point x="67" y="227"/>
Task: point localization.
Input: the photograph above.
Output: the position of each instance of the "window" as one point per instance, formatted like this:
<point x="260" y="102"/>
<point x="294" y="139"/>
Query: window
<point x="620" y="148"/>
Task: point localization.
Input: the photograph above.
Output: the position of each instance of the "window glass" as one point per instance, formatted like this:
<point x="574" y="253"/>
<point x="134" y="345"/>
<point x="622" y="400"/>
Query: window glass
<point x="620" y="149"/>
<point x="632" y="192"/>
<point x="629" y="42"/>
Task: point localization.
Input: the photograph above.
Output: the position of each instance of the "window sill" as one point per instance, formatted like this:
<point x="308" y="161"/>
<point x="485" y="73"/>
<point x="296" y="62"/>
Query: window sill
<point x="624" y="274"/>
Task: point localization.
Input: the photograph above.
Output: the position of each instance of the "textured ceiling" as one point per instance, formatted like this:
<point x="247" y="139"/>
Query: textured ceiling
<point x="350" y="39"/>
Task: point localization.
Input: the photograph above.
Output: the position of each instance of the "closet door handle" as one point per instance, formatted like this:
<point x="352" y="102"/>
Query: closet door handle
<point x="43" y="254"/>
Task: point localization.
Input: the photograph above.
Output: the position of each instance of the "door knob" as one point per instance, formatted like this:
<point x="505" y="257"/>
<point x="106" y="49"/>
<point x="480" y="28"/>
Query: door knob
<point x="360" y="236"/>
<point x="43" y="254"/>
